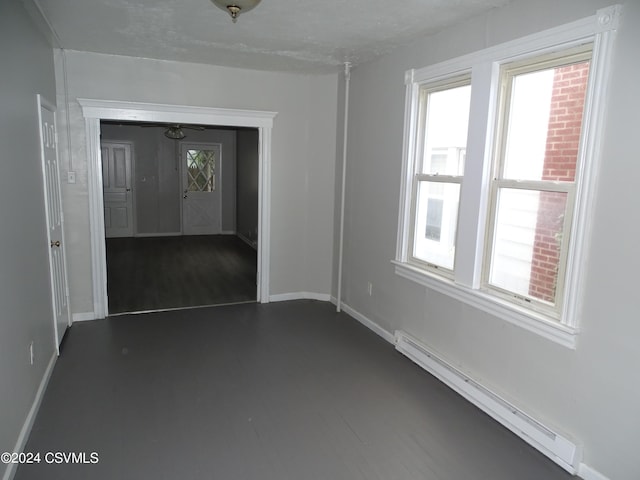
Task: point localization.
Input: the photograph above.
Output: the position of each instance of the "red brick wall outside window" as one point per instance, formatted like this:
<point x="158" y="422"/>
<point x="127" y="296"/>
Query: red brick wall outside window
<point x="561" y="152"/>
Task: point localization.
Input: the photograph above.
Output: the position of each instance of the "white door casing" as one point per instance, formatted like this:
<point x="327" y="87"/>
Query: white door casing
<point x="118" y="198"/>
<point x="56" y="244"/>
<point x="96" y="110"/>
<point x="200" y="169"/>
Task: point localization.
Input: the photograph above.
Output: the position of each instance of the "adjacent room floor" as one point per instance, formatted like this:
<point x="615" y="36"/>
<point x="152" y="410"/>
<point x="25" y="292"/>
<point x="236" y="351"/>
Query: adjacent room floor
<point x="280" y="391"/>
<point x="156" y="273"/>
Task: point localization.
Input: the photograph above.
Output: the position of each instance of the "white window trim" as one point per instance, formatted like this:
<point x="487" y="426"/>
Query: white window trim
<point x="484" y="66"/>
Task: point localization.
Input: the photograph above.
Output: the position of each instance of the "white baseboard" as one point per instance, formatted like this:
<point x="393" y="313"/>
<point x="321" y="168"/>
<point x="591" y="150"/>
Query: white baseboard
<point x="158" y="234"/>
<point x="560" y="449"/>
<point x="367" y="322"/>
<point x="284" y="297"/>
<point x="10" y="471"/>
<point x="247" y="241"/>
<point x="228" y="232"/>
<point x="587" y="473"/>
<point x="83" y="317"/>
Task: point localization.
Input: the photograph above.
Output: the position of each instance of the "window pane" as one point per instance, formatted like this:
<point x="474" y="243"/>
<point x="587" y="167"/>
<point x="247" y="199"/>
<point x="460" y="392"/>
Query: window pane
<point x="527" y="242"/>
<point x="446" y="124"/>
<point x="201" y="170"/>
<point x="436" y="222"/>
<point x="544" y="123"/>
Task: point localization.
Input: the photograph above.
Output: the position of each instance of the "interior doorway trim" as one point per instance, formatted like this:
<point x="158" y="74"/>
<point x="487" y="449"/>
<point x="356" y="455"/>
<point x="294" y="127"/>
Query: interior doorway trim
<point x="96" y="110"/>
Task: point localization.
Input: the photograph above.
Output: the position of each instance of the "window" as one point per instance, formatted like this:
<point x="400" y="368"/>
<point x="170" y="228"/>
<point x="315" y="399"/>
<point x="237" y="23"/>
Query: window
<point x="201" y="166"/>
<point x="500" y="150"/>
<point x="533" y="190"/>
<point x="444" y="118"/>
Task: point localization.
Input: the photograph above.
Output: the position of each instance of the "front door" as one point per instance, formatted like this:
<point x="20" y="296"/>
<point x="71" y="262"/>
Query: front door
<point x="116" y="180"/>
<point x="201" y="199"/>
<point x="55" y="232"/>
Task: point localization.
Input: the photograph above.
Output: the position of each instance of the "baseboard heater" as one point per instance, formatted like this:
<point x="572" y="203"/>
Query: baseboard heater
<point x="559" y="449"/>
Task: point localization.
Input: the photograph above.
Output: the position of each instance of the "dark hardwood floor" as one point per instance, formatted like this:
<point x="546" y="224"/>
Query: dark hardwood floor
<point x="156" y="273"/>
<point x="280" y="391"/>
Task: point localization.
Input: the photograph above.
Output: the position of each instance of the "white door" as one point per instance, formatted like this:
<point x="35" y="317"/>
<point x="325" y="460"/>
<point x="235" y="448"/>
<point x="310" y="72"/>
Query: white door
<point x="116" y="179"/>
<point x="201" y="199"/>
<point x="53" y="208"/>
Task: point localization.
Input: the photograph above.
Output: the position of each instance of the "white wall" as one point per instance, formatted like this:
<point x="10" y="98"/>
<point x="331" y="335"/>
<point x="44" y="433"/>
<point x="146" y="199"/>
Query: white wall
<point x="25" y="298"/>
<point x="591" y="394"/>
<point x="303" y="153"/>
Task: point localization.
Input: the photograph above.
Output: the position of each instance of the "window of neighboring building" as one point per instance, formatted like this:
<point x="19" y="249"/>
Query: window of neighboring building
<point x="500" y="151"/>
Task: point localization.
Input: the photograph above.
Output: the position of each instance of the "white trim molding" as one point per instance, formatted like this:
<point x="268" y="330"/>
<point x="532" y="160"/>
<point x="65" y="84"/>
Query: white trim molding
<point x="557" y="447"/>
<point x="587" y="473"/>
<point x="159" y="234"/>
<point x="246" y="240"/>
<point x="285" y="297"/>
<point x="370" y="324"/>
<point x="95" y="110"/>
<point x="21" y="442"/>
<point x="84" y="317"/>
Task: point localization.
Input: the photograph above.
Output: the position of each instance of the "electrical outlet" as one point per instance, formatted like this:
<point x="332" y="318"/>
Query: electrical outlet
<point x="370" y="288"/>
<point x="71" y="177"/>
<point x="31" y="355"/>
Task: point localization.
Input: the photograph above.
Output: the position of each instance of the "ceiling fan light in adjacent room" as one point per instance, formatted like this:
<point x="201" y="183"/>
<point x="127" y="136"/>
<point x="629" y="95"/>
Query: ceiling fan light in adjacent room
<point x="236" y="7"/>
<point x="175" y="133"/>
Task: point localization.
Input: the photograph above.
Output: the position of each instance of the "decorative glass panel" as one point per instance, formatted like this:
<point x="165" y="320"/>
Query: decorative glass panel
<point x="201" y="175"/>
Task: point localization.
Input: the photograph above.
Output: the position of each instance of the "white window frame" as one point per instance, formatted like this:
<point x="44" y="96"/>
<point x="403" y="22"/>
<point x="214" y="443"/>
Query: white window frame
<point x="465" y="283"/>
<point x="498" y="182"/>
<point x="426" y="88"/>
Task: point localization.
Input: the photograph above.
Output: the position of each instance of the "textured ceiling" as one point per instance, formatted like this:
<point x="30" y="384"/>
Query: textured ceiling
<point x="292" y="35"/>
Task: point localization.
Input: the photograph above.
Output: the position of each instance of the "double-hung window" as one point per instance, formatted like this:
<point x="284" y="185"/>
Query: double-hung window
<point x="538" y="138"/>
<point x="500" y="153"/>
<point x="436" y="182"/>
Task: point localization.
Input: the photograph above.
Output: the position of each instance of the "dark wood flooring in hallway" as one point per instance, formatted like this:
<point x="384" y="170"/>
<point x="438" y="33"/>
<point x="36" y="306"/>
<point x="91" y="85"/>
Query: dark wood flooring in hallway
<point x="156" y="273"/>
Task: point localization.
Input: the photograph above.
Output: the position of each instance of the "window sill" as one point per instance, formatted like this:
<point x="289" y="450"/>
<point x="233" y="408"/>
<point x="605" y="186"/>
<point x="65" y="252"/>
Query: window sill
<point x="529" y="320"/>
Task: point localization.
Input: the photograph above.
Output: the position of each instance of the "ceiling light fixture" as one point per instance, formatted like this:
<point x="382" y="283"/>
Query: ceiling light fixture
<point x="236" y="7"/>
<point x="175" y="132"/>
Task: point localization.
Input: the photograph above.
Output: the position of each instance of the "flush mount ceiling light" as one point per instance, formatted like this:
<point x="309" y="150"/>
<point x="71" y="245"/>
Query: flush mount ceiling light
<point x="236" y="7"/>
<point x="175" y="133"/>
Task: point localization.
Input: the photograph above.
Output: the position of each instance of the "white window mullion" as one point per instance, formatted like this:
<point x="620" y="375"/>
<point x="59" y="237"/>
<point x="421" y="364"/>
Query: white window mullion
<point x="477" y="175"/>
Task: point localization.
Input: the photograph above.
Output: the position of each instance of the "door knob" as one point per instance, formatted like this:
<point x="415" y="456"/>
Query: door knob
<point x="55" y="244"/>
<point x="184" y="196"/>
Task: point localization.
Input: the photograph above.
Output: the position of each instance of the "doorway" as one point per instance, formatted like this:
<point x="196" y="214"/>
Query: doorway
<point x="96" y="110"/>
<point x="183" y="249"/>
